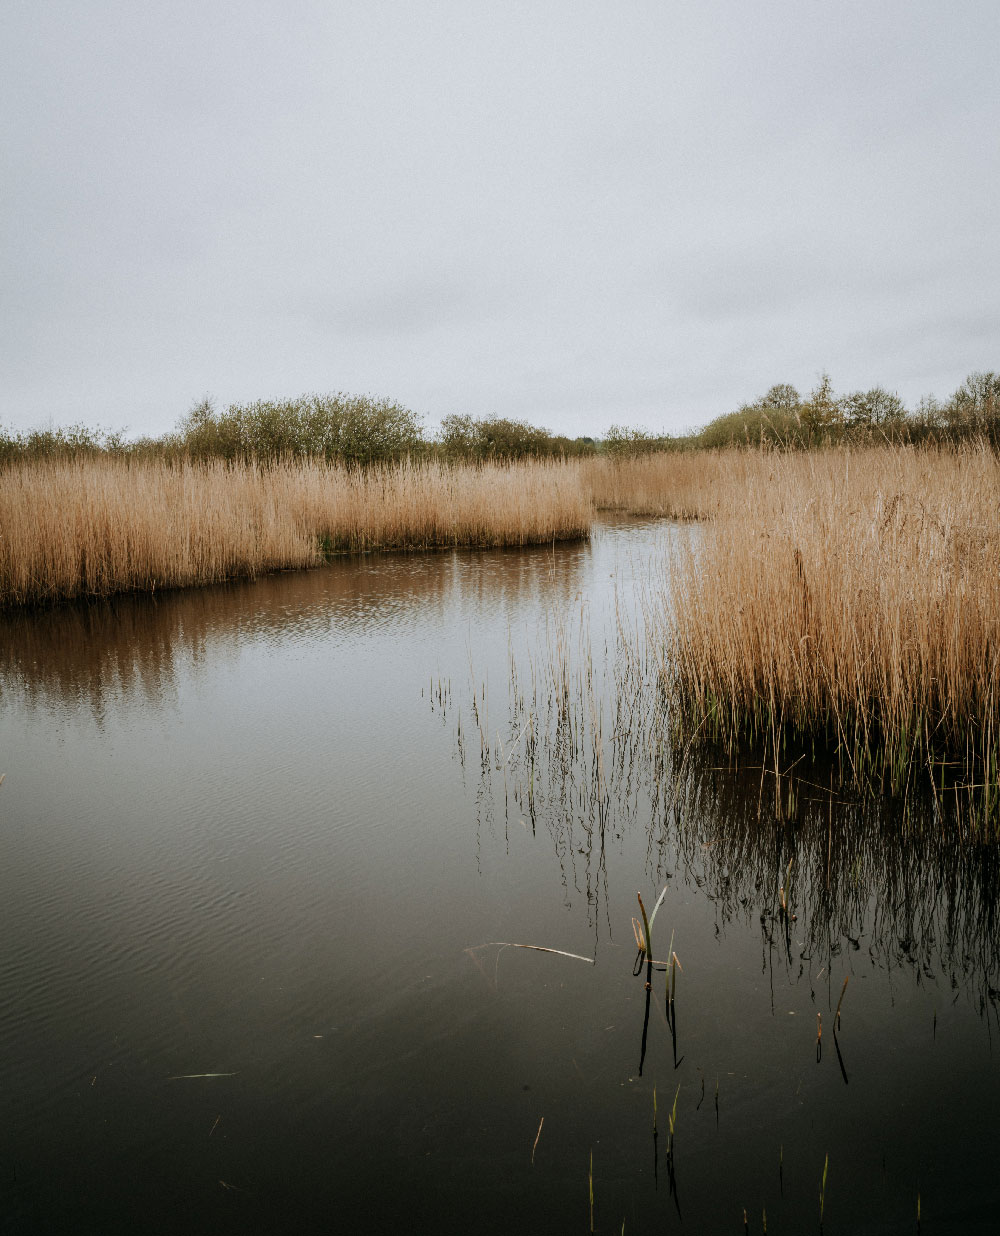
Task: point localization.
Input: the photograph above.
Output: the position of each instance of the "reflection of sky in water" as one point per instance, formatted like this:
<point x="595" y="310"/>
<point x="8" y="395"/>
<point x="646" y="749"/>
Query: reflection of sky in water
<point x="239" y="834"/>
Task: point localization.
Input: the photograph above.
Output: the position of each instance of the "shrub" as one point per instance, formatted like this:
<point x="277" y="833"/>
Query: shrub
<point x="494" y="437"/>
<point x="70" y="442"/>
<point x="773" y="420"/>
<point x="623" y="442"/>
<point x="353" y="429"/>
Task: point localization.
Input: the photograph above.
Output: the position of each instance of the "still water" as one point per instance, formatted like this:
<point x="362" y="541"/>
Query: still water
<point x="252" y="838"/>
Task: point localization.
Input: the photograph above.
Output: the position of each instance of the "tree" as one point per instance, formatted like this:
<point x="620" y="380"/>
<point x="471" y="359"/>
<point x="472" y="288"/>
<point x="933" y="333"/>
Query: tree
<point x="783" y="397"/>
<point x="874" y="409"/>
<point x="820" y="414"/>
<point x="977" y="400"/>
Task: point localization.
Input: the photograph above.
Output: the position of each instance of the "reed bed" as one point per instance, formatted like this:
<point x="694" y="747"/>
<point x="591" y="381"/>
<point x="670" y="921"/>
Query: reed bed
<point x="852" y="598"/>
<point x="669" y="484"/>
<point x="92" y="527"/>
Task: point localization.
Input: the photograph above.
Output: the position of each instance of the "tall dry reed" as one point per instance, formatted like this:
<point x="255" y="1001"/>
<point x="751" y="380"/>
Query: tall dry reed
<point x="92" y="527"/>
<point x="850" y="596"/>
<point x="676" y="485"/>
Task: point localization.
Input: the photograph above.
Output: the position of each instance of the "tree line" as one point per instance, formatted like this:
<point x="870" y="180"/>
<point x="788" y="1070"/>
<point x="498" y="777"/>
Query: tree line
<point x="362" y="429"/>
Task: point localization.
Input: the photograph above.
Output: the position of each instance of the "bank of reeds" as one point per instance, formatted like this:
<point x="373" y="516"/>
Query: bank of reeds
<point x="95" y="526"/>
<point x="673" y="485"/>
<point x="849" y="598"/>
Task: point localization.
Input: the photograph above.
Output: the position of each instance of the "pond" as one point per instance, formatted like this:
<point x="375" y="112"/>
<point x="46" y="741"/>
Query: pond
<point x="260" y="845"/>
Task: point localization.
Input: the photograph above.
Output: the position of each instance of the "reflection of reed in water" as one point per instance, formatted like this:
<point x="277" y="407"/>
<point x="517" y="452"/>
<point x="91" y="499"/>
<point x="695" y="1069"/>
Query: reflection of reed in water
<point x="128" y="648"/>
<point x="587" y="751"/>
<point x="865" y="876"/>
<point x="547" y="763"/>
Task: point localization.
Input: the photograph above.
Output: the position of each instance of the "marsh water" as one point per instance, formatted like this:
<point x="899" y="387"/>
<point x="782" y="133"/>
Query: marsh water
<point x="260" y="846"/>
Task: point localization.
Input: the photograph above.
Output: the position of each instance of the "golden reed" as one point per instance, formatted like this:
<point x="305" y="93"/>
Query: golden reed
<point x="97" y="526"/>
<point x="847" y="594"/>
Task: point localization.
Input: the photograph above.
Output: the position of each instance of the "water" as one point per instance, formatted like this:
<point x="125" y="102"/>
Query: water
<point x="260" y="831"/>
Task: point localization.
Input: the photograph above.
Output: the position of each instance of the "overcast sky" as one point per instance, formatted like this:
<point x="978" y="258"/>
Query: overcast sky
<point x="575" y="213"/>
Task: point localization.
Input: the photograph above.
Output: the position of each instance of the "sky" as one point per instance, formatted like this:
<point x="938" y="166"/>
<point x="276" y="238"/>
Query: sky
<point x="578" y="214"/>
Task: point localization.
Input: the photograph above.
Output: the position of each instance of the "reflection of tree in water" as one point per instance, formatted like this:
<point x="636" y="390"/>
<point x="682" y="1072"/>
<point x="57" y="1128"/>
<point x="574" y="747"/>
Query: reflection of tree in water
<point x="590" y="756"/>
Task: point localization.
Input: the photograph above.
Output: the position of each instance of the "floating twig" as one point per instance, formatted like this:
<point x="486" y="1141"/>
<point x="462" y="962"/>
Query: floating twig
<point x="192" y="1076"/>
<point x="538" y="948"/>
<point x="537" y="1136"/>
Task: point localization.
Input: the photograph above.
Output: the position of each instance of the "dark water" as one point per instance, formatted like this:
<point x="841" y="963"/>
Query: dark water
<point x="254" y="831"/>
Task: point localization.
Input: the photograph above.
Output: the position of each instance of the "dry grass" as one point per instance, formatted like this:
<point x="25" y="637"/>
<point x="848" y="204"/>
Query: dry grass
<point x="846" y="595"/>
<point x="672" y="484"/>
<point x="97" y="526"/>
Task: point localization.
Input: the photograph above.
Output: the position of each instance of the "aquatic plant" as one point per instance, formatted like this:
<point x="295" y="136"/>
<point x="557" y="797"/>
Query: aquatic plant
<point x="846" y="601"/>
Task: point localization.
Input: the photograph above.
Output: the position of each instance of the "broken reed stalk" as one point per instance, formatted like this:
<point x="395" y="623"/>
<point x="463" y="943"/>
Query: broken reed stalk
<point x="590" y="1183"/>
<point x="647" y="936"/>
